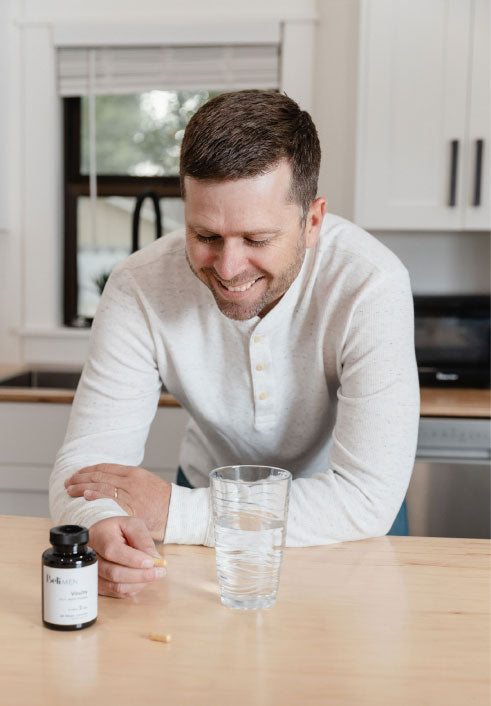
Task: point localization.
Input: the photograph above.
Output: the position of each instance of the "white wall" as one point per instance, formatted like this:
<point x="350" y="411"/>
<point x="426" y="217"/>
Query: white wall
<point x="10" y="186"/>
<point x="437" y="261"/>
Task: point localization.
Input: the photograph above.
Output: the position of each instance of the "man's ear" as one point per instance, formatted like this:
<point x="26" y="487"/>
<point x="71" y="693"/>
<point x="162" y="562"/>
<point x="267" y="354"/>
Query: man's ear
<point x="315" y="217"/>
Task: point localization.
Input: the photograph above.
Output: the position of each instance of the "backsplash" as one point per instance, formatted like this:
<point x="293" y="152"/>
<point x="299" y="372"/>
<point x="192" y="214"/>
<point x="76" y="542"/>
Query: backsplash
<point x="443" y="263"/>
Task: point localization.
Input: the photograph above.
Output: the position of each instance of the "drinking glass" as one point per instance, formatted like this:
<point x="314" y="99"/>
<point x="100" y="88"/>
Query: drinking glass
<point x="250" y="510"/>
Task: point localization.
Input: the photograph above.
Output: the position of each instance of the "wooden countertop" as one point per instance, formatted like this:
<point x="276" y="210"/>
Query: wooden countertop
<point x="392" y="620"/>
<point x="435" y="402"/>
<point x="54" y="396"/>
<point x="445" y="402"/>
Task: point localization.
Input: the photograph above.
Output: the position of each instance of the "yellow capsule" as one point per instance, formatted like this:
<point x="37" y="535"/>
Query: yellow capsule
<point x="159" y="637"/>
<point x="159" y="562"/>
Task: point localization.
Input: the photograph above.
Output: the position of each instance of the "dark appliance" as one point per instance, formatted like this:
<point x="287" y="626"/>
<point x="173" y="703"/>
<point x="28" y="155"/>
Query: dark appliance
<point x="452" y="339"/>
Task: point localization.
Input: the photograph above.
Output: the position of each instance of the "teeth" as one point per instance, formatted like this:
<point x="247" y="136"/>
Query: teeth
<point x="242" y="288"/>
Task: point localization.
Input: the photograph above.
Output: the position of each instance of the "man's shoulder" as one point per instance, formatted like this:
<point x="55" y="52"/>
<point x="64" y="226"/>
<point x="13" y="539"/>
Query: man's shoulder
<point x="158" y="264"/>
<point x="164" y="251"/>
<point x="343" y="244"/>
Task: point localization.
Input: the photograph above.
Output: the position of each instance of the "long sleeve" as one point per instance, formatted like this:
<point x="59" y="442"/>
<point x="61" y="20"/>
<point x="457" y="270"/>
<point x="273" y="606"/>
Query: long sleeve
<point x="375" y="433"/>
<point x="325" y="385"/>
<point x="115" y="402"/>
<point x="374" y="438"/>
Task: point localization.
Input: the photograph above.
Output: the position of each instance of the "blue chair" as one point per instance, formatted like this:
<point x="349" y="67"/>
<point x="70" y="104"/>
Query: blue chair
<point x="400" y="526"/>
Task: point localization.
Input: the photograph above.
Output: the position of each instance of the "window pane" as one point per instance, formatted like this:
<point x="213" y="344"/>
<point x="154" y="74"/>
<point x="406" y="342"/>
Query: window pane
<point x="139" y="134"/>
<point x="97" y="255"/>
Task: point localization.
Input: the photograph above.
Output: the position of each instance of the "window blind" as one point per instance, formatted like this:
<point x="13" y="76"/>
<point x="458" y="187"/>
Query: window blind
<point x="117" y="70"/>
<point x="123" y="70"/>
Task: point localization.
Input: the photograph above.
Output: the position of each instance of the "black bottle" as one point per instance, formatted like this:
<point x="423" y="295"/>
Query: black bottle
<point x="69" y="580"/>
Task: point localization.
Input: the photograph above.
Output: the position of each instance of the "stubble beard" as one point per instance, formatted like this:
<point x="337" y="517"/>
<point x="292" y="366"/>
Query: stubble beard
<point x="269" y="298"/>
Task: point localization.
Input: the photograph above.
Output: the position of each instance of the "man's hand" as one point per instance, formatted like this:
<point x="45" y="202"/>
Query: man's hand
<point x="124" y="550"/>
<point x="140" y="493"/>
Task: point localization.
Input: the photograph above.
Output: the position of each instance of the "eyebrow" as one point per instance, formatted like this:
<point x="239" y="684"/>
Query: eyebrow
<point x="244" y="233"/>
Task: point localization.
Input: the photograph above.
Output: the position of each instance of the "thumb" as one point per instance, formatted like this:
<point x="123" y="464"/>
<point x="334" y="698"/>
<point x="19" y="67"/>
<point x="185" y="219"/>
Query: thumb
<point x="138" y="536"/>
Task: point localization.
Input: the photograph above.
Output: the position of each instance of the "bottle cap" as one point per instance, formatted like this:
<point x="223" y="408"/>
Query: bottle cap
<point x="67" y="535"/>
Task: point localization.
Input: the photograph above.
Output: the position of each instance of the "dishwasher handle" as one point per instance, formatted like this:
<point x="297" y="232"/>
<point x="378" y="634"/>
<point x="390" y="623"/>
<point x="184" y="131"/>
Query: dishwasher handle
<point x="457" y="455"/>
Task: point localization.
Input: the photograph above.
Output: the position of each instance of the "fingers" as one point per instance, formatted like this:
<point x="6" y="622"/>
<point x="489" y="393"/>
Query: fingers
<point x="105" y="490"/>
<point x="115" y="573"/>
<point x="95" y="482"/>
<point x="81" y="491"/>
<point x="94" y="495"/>
<point x="95" y="491"/>
<point x="99" y="472"/>
<point x="120" y="590"/>
<point x="138" y="537"/>
<point x="120" y="581"/>
<point x="123" y="540"/>
<point x="125" y="552"/>
<point x="105" y="474"/>
<point x="127" y="556"/>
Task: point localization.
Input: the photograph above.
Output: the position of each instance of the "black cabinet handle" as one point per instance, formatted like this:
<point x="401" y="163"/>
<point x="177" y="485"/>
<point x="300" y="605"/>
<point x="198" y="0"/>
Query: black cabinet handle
<point x="478" y="173"/>
<point x="454" y="157"/>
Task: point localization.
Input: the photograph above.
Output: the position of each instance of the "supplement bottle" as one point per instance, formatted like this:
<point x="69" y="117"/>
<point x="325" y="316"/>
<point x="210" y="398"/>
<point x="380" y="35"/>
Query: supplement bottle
<point x="69" y="580"/>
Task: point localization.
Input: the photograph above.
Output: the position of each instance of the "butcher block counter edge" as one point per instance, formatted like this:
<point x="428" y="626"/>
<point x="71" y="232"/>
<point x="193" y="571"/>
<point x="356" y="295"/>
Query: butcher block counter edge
<point x="435" y="402"/>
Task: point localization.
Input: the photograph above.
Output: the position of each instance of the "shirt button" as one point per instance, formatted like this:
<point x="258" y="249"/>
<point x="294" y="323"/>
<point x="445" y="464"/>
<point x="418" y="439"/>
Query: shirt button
<point x="256" y="339"/>
<point x="259" y="367"/>
<point x="263" y="396"/>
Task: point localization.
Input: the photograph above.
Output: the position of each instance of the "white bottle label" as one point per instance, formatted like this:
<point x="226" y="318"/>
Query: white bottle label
<point x="70" y="595"/>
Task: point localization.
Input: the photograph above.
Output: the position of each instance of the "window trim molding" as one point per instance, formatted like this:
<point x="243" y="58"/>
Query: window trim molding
<point x="42" y="207"/>
<point x="92" y="34"/>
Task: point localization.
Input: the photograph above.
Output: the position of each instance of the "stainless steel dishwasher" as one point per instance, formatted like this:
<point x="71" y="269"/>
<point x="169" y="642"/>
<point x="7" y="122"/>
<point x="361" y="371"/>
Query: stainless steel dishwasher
<point x="450" y="490"/>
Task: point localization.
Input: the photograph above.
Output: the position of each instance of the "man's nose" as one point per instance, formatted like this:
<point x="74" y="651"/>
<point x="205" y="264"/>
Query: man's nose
<point x="230" y="260"/>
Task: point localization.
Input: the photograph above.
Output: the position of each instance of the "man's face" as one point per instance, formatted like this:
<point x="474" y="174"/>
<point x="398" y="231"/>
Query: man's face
<point x="245" y="242"/>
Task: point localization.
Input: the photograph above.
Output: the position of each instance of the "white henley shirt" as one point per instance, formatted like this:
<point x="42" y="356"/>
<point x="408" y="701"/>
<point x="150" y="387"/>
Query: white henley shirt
<point x="325" y="385"/>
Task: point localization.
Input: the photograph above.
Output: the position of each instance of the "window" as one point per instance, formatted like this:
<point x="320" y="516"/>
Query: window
<point x="122" y="139"/>
<point x="137" y="149"/>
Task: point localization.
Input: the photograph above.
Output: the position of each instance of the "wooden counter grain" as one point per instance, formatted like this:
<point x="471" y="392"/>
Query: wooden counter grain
<point x="53" y="396"/>
<point x="392" y="620"/>
<point x="56" y="396"/>
<point x="447" y="402"/>
<point x="435" y="402"/>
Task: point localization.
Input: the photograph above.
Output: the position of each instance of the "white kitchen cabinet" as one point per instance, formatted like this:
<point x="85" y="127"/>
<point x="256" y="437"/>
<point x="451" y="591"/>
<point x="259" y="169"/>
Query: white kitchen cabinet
<point x="32" y="433"/>
<point x="423" y="107"/>
<point x="479" y="120"/>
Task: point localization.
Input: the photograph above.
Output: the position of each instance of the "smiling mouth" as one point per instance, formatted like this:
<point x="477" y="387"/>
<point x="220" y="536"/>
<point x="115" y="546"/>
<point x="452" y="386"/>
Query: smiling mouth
<point x="239" y="288"/>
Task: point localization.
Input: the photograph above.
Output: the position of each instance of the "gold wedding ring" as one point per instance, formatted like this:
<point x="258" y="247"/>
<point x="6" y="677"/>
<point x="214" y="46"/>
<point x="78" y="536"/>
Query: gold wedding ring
<point x="116" y="493"/>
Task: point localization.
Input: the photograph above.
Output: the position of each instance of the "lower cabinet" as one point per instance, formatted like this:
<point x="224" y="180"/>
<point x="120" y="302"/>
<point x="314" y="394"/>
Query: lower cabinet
<point x="32" y="433"/>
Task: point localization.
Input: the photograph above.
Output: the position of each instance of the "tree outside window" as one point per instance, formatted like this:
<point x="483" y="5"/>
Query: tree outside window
<point x="138" y="140"/>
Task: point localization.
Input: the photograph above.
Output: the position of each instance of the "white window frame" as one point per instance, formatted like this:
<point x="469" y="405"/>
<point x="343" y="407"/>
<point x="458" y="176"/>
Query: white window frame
<point x="45" y="339"/>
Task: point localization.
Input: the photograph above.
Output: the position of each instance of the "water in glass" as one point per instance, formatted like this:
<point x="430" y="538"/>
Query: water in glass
<point x="249" y="551"/>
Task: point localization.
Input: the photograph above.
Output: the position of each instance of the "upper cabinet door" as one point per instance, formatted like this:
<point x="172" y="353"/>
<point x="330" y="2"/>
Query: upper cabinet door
<point x="477" y="187"/>
<point x="415" y="65"/>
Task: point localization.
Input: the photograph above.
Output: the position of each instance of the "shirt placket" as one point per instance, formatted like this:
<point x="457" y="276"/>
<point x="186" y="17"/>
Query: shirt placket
<point x="262" y="375"/>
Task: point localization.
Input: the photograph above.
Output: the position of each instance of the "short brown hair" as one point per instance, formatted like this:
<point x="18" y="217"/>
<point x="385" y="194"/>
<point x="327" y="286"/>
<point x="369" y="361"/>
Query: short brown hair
<point x="246" y="133"/>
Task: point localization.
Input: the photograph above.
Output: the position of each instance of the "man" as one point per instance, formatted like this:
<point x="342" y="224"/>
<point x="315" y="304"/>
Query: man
<point x="286" y="333"/>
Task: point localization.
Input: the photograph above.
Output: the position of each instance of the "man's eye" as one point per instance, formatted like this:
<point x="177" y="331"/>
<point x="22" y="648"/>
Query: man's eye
<point x="256" y="243"/>
<point x="206" y="238"/>
<point x="214" y="238"/>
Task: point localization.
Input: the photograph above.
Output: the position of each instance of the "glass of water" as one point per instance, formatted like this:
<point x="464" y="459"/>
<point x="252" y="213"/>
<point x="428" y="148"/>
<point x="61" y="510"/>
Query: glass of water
<point x="250" y="509"/>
